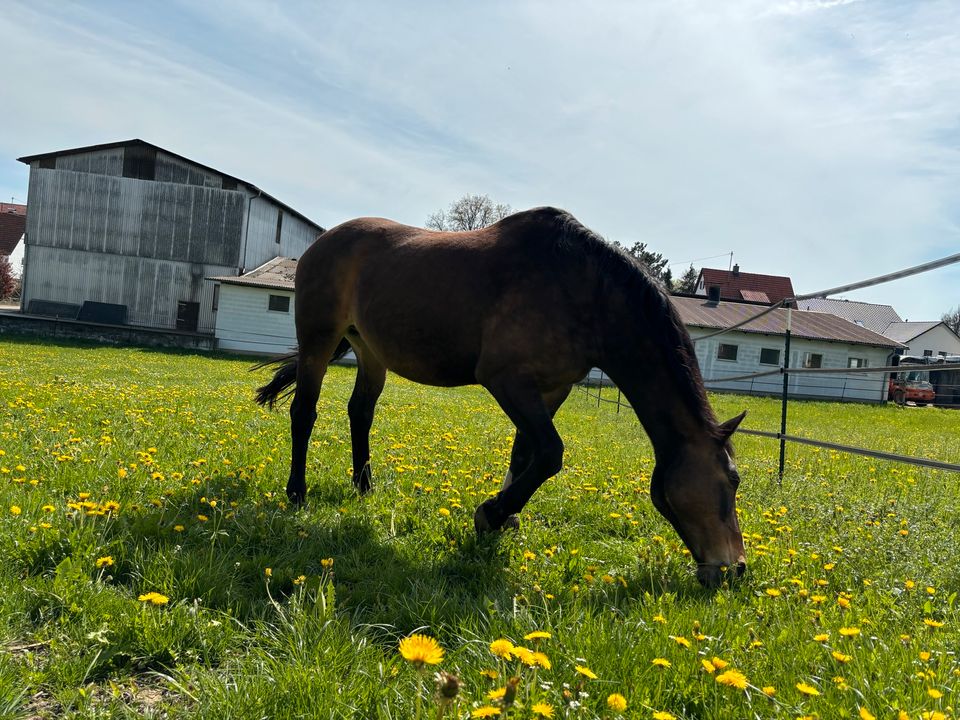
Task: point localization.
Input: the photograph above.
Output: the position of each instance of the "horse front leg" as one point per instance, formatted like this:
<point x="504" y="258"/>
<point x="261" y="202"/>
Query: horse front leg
<point x="371" y="376"/>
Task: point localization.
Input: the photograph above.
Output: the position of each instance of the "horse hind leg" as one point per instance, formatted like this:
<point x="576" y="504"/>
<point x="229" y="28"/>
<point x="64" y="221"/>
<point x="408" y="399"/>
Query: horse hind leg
<point x="371" y="376"/>
<point x="311" y="367"/>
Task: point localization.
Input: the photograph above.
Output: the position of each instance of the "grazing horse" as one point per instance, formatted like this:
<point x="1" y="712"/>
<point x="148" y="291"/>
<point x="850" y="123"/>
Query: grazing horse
<point x="525" y="308"/>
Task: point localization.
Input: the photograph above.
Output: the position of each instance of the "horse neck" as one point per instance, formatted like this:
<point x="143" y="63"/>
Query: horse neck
<point x="640" y="365"/>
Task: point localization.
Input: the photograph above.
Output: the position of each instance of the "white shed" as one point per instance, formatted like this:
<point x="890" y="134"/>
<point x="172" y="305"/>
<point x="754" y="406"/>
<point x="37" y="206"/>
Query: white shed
<point x="928" y="339"/>
<point x="255" y="311"/>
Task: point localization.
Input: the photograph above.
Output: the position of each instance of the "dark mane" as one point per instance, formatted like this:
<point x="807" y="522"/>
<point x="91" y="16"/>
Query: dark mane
<point x="625" y="271"/>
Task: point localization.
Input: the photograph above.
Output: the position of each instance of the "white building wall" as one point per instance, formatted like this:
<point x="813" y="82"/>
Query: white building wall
<point x="934" y="341"/>
<point x="245" y="323"/>
<point x="868" y="387"/>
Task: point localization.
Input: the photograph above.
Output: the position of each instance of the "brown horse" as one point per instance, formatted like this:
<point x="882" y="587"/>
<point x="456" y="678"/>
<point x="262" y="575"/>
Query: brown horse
<point x="524" y="307"/>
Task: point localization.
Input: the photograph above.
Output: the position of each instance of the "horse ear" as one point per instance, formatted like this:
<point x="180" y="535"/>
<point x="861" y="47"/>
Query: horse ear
<point x="729" y="427"/>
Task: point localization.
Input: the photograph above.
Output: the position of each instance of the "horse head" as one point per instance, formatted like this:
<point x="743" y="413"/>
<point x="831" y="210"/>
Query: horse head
<point x="696" y="491"/>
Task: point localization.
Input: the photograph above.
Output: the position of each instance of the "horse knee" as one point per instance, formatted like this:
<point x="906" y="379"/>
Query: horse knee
<point x="552" y="457"/>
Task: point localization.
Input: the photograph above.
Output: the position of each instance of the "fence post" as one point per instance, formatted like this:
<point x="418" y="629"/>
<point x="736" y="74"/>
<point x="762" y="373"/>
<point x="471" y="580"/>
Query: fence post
<point x="783" y="401"/>
<point x="618" y="401"/>
<point x="600" y="388"/>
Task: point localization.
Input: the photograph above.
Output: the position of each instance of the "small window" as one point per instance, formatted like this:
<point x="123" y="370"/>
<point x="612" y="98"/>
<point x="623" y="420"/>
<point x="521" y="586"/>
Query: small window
<point x="856" y="362"/>
<point x="216" y="297"/>
<point x="812" y="360"/>
<point x="928" y="353"/>
<point x="727" y="352"/>
<point x="48" y="163"/>
<point x="942" y="353"/>
<point x="279" y="303"/>
<point x="769" y="356"/>
<point x="279" y="224"/>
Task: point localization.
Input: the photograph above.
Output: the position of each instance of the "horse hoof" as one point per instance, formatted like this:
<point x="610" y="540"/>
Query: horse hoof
<point x="297" y="497"/>
<point x="511" y="523"/>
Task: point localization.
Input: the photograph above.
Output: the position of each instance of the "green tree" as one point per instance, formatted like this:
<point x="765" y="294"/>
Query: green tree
<point x="8" y="283"/>
<point x="952" y="319"/>
<point x="656" y="263"/>
<point x="688" y="281"/>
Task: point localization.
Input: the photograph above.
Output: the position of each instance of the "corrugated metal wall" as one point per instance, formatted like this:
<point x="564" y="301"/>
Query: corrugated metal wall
<point x="261" y="245"/>
<point x="100" y="162"/>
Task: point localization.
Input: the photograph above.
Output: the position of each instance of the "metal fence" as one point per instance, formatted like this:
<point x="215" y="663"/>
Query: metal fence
<point x="594" y="387"/>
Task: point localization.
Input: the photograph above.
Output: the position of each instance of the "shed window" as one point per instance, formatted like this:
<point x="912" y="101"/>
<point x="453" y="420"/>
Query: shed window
<point x="727" y="352"/>
<point x="812" y="360"/>
<point x="769" y="356"/>
<point x="279" y="303"/>
<point x="279" y="224"/>
<point x="856" y="362"/>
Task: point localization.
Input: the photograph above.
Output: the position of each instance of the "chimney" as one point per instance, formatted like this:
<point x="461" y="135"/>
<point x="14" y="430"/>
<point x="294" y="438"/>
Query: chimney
<point x="736" y="270"/>
<point x="713" y="295"/>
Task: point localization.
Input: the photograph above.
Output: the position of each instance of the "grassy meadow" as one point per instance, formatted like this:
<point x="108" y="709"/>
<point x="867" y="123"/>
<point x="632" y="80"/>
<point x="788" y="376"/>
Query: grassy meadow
<point x="150" y="565"/>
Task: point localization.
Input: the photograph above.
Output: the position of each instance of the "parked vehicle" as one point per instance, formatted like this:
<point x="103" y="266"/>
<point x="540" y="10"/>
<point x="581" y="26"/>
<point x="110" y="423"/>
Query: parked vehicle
<point x="911" y="385"/>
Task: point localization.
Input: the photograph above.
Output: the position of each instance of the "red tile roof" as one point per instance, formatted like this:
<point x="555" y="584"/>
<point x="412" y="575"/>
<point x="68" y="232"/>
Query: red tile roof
<point x="736" y="285"/>
<point x="13" y="223"/>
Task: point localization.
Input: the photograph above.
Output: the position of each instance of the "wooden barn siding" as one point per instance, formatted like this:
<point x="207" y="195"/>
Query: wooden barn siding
<point x="852" y="386"/>
<point x="149" y="288"/>
<point x="142" y="218"/>
<point x="261" y="245"/>
<point x="244" y="323"/>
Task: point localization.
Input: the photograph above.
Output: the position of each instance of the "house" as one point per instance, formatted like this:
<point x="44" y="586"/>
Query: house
<point x="255" y="310"/>
<point x="739" y="286"/>
<point x="13" y="223"/>
<point x="818" y="340"/>
<point x="928" y="339"/>
<point x="127" y="233"/>
<point x="867" y="315"/>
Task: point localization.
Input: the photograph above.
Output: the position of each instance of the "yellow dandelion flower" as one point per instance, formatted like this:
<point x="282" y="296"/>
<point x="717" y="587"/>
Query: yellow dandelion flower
<point x="542" y="660"/>
<point x="485" y="711"/>
<point x="934" y="693"/>
<point x="708" y="666"/>
<point x="154" y="598"/>
<point x="925" y="655"/>
<point x="48" y="508"/>
<point x="542" y="709"/>
<point x="732" y="678"/>
<point x="502" y="648"/>
<point x="586" y="672"/>
<point x="840" y="657"/>
<point x="929" y="622"/>
<point x="105" y="561"/>
<point x="497" y="693"/>
<point x="681" y="640"/>
<point x="525" y="655"/>
<point x="15" y="510"/>
<point x="866" y="714"/>
<point x="202" y="518"/>
<point x="849" y="631"/>
<point x="773" y="592"/>
<point x="718" y="663"/>
<point x="444" y="512"/>
<point x="663" y="715"/>
<point x="178" y="528"/>
<point x="537" y="635"/>
<point x="421" y="649"/>
<point x="807" y="689"/>
<point x="492" y="674"/>
<point x="659" y="619"/>
<point x="821" y="638"/>
<point x="616" y="702"/>
<point x="769" y="690"/>
<point x="661" y="662"/>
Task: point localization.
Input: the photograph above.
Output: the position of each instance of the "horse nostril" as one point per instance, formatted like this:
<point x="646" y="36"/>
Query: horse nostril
<point x="741" y="568"/>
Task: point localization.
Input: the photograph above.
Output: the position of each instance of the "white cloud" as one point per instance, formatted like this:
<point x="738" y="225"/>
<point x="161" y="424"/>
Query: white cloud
<point x="819" y="141"/>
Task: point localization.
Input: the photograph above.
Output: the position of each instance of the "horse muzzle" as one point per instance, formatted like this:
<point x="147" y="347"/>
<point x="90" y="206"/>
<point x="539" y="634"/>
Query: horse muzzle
<point x="711" y="576"/>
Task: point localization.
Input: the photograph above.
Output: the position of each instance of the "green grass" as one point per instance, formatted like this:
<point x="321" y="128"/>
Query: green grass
<point x="121" y="453"/>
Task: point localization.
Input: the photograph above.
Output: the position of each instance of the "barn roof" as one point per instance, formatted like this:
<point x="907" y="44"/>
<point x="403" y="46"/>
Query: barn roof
<point x="137" y="142"/>
<point x="276" y="274"/>
<point x="869" y="315"/>
<point x="735" y="285"/>
<point x="13" y="223"/>
<point x="697" y="312"/>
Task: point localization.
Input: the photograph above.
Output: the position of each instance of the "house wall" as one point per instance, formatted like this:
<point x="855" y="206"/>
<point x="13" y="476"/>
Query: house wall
<point x="868" y="387"/>
<point x="244" y="322"/>
<point x="261" y="234"/>
<point x="936" y="340"/>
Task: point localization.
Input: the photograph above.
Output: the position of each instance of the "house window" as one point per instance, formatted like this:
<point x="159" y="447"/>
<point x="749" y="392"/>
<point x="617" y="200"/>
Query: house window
<point x="279" y="303"/>
<point x="812" y="360"/>
<point x="727" y="352"/>
<point x="279" y="224"/>
<point x="856" y="362"/>
<point x="928" y="353"/>
<point x="942" y="353"/>
<point x="769" y="356"/>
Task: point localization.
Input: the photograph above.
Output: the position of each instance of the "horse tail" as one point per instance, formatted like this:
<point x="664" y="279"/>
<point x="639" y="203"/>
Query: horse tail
<point x="284" y="379"/>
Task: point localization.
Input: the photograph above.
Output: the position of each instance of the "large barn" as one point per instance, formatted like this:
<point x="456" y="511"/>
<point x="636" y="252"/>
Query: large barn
<point x="128" y="233"/>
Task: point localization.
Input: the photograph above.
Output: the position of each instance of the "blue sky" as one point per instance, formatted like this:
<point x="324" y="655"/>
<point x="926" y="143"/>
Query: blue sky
<point x="818" y="139"/>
